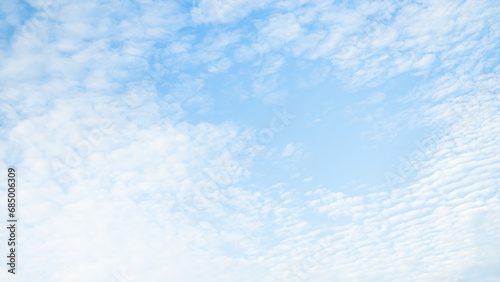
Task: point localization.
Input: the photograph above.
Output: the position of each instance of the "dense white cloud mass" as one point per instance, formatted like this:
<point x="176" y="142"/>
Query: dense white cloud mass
<point x="137" y="162"/>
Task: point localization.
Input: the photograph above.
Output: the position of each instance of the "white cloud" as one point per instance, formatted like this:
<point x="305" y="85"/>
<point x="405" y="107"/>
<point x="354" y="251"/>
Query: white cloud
<point x="223" y="10"/>
<point x="281" y="29"/>
<point x="288" y="150"/>
<point x="222" y="65"/>
<point x="309" y="179"/>
<point x="136" y="196"/>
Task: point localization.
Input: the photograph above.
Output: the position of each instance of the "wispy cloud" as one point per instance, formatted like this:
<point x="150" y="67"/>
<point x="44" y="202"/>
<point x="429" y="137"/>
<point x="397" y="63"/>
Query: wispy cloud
<point x="150" y="145"/>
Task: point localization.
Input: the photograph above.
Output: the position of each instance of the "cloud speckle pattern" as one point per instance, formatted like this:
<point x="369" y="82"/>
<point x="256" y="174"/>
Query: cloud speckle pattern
<point x="153" y="143"/>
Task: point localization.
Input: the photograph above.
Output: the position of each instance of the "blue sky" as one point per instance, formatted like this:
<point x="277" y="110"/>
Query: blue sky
<point x="226" y="140"/>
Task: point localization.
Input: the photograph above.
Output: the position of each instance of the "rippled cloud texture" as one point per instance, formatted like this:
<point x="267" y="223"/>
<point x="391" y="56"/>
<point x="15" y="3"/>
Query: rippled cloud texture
<point x="235" y="140"/>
